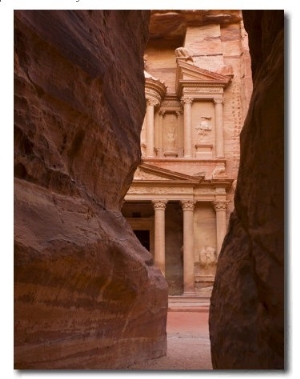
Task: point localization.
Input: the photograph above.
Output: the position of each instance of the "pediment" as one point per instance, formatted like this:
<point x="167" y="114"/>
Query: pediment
<point x="190" y="73"/>
<point x="150" y="173"/>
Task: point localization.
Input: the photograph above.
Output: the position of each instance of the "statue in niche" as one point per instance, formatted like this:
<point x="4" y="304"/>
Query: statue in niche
<point x="183" y="54"/>
<point x="171" y="138"/>
<point x="208" y="259"/>
<point x="171" y="133"/>
<point x="204" y="127"/>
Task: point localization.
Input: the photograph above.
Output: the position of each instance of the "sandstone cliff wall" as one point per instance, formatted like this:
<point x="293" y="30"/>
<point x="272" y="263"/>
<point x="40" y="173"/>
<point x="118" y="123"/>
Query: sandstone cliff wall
<point x="247" y="307"/>
<point x="87" y="295"/>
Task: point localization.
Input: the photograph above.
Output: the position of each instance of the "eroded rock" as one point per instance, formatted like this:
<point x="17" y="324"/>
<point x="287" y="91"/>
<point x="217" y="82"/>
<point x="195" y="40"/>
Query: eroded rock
<point x="247" y="306"/>
<point x="87" y="295"/>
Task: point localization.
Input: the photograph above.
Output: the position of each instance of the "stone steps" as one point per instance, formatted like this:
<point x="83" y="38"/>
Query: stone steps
<point x="189" y="303"/>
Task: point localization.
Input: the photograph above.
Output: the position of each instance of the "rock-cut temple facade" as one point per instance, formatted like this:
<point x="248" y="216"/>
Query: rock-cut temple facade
<point x="197" y="88"/>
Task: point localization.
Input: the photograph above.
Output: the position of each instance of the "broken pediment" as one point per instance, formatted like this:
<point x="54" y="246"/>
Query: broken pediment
<point x="146" y="172"/>
<point x="190" y="75"/>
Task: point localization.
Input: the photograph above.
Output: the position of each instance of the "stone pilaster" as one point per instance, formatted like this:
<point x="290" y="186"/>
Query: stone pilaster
<point x="188" y="246"/>
<point x="187" y="128"/>
<point x="151" y="103"/>
<point x="221" y="224"/>
<point x="219" y="127"/>
<point x="159" y="234"/>
<point x="160" y="139"/>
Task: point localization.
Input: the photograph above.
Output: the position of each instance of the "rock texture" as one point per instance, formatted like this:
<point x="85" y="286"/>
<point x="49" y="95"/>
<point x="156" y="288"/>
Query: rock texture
<point x="247" y="307"/>
<point x="87" y="295"/>
<point x="172" y="24"/>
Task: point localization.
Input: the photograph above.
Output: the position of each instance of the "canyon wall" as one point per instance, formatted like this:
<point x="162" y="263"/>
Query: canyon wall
<point x="87" y="295"/>
<point x="247" y="306"/>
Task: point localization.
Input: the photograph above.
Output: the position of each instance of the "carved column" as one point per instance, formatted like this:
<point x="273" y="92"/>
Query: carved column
<point x="161" y="133"/>
<point x="219" y="127"/>
<point x="159" y="234"/>
<point x="151" y="103"/>
<point x="221" y="224"/>
<point x="179" y="138"/>
<point x="187" y="132"/>
<point x="188" y="246"/>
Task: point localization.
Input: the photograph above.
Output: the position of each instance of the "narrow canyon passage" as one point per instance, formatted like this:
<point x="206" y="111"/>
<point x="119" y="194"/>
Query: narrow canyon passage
<point x="145" y="111"/>
<point x="188" y="344"/>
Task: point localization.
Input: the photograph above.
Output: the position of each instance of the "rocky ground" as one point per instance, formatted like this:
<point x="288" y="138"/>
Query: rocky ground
<point x="188" y="344"/>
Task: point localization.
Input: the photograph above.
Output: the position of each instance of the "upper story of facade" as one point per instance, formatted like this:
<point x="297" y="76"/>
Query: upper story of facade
<point x="198" y="86"/>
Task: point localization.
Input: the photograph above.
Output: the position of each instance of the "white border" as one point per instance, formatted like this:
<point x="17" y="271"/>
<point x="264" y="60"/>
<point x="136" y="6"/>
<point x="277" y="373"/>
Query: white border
<point x="6" y="160"/>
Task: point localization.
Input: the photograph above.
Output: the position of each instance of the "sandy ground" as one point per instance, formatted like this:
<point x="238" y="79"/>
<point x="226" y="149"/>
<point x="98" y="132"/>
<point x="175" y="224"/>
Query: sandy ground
<point x="188" y="344"/>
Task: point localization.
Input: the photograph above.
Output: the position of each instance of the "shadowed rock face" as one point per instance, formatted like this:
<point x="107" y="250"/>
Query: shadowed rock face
<point x="87" y="295"/>
<point x="247" y="308"/>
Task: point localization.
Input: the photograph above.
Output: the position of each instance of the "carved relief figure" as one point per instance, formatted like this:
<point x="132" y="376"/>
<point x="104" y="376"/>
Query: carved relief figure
<point x="171" y="133"/>
<point x="171" y="138"/>
<point x="219" y="170"/>
<point x="208" y="259"/>
<point x="204" y="127"/>
<point x="183" y="53"/>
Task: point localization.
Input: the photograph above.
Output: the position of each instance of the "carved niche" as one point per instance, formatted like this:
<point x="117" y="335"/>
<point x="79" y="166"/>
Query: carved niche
<point x="170" y="135"/>
<point x="203" y="130"/>
<point x="208" y="260"/>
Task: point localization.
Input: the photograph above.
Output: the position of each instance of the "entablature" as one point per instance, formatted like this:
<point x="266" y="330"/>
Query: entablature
<point x="151" y="182"/>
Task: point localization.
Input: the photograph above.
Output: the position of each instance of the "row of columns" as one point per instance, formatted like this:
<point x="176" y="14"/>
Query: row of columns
<point x="187" y="134"/>
<point x="188" y="237"/>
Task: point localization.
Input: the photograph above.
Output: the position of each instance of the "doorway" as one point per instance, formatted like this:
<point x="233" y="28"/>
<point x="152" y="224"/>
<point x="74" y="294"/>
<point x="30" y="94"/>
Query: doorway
<point x="144" y="237"/>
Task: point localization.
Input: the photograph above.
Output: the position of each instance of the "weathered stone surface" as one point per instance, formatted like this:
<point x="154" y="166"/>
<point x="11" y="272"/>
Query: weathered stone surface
<point x="171" y="24"/>
<point x="87" y="295"/>
<point x="247" y="306"/>
<point x="195" y="123"/>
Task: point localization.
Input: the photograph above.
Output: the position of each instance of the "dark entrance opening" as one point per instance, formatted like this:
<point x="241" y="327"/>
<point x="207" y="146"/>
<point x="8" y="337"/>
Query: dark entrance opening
<point x="144" y="237"/>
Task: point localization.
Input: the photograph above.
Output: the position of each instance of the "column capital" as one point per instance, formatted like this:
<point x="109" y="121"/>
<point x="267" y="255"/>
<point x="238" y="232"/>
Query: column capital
<point x="159" y="204"/>
<point x="162" y="112"/>
<point x="187" y="205"/>
<point x="218" y="100"/>
<point x="186" y="100"/>
<point x="220" y="205"/>
<point x="153" y="102"/>
<point x="178" y="113"/>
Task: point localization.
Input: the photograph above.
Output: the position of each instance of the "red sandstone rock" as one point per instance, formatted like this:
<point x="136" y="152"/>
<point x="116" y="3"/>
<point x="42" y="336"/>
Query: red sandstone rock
<point x="171" y="24"/>
<point x="247" y="307"/>
<point x="87" y="295"/>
